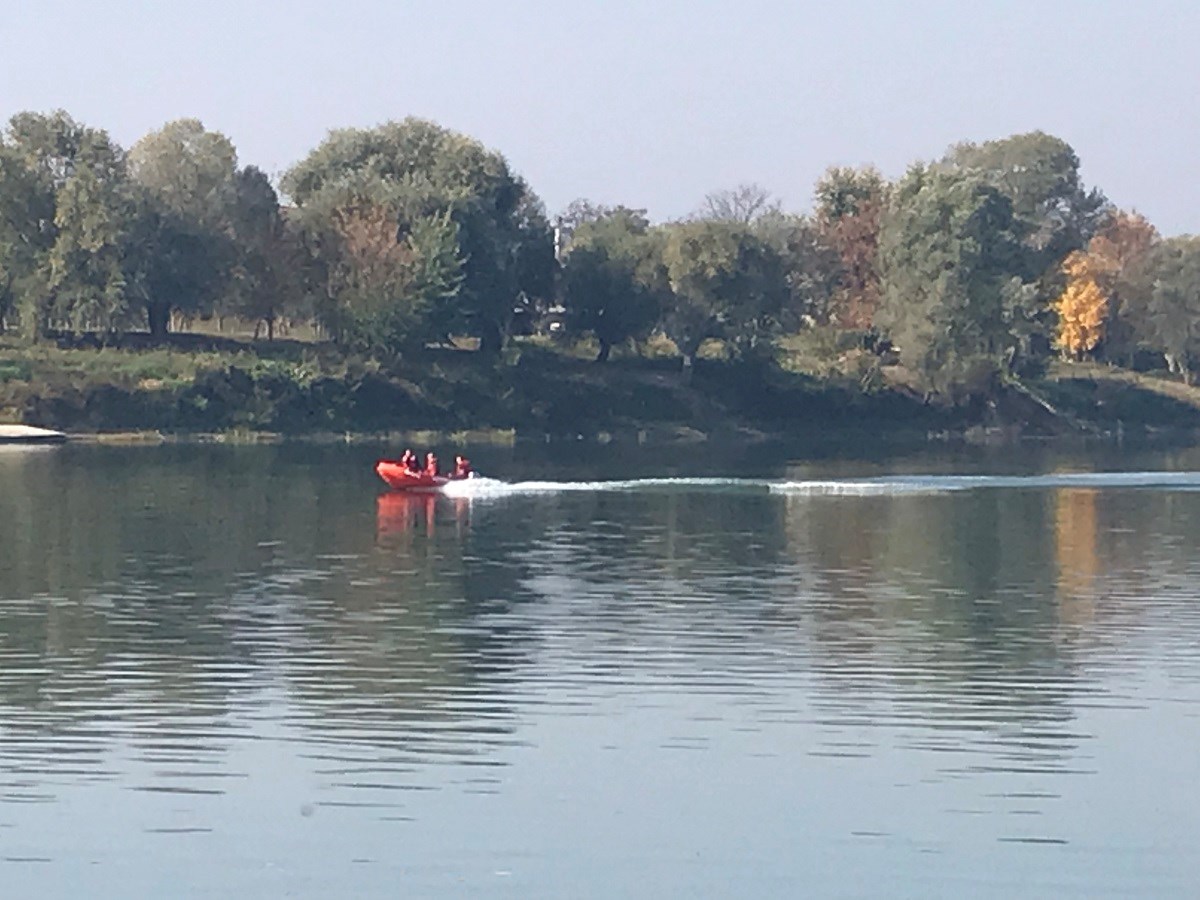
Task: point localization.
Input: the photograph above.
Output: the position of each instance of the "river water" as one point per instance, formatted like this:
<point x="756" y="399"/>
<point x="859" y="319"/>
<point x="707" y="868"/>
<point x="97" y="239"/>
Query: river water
<point x="602" y="671"/>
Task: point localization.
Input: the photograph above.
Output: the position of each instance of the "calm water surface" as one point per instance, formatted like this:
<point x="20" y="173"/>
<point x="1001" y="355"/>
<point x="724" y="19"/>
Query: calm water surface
<point x="620" y="673"/>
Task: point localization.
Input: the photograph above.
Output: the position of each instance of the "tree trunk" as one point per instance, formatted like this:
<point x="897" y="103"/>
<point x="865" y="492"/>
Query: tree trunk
<point x="688" y="367"/>
<point x="605" y="350"/>
<point x="270" y="328"/>
<point x="491" y="340"/>
<point x="158" y="315"/>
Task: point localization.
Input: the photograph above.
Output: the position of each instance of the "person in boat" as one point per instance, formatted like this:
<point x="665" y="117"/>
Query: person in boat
<point x="431" y="465"/>
<point x="409" y="461"/>
<point x="462" y="467"/>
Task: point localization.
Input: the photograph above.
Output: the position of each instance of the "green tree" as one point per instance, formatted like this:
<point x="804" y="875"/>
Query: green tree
<point x="52" y="145"/>
<point x="1174" y="308"/>
<point x="422" y="172"/>
<point x="534" y="266"/>
<point x="267" y="280"/>
<point x="950" y="254"/>
<point x="613" y="278"/>
<point x="67" y="224"/>
<point x="382" y="278"/>
<point x="188" y="181"/>
<point x="171" y="266"/>
<point x="726" y="282"/>
<point x="26" y="233"/>
<point x="379" y="286"/>
<point x="811" y="268"/>
<point x="580" y="212"/>
<point x="1039" y="174"/>
<point x="1057" y="215"/>
<point x="189" y="171"/>
<point x="87" y="284"/>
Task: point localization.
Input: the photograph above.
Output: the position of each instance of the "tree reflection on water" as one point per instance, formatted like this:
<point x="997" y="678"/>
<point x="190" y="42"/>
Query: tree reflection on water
<point x="197" y="590"/>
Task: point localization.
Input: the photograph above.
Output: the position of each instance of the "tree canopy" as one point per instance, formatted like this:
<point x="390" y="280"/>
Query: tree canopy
<point x="446" y="187"/>
<point x="187" y="189"/>
<point x="849" y="213"/>
<point x="1039" y="174"/>
<point x="974" y="266"/>
<point x="726" y="282"/>
<point x="1174" y="306"/>
<point x="614" y="280"/>
<point x="67" y="216"/>
<point x="950" y="253"/>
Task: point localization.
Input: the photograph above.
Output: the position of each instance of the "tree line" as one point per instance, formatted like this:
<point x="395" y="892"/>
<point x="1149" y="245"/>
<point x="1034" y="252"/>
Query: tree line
<point x="973" y="267"/>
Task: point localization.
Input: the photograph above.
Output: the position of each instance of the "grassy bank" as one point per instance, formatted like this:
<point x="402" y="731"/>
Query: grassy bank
<point x="1110" y="399"/>
<point x="213" y="385"/>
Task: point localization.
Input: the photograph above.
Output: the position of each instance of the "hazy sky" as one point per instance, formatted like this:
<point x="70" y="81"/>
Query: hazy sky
<point x="650" y="103"/>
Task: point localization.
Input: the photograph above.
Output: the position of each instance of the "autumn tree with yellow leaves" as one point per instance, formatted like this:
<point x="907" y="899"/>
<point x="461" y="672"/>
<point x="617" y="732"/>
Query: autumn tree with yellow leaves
<point x="1107" y="289"/>
<point x="1082" y="307"/>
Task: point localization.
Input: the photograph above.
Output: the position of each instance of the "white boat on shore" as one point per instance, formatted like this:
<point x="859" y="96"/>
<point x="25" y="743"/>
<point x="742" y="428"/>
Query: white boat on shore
<point x="27" y="434"/>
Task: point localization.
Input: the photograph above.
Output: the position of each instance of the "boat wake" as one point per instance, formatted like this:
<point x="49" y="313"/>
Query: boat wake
<point x="491" y="487"/>
<point x="884" y="486"/>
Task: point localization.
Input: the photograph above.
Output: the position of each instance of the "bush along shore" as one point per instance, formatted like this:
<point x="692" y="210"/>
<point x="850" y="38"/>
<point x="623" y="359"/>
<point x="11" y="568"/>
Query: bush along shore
<point x="197" y="385"/>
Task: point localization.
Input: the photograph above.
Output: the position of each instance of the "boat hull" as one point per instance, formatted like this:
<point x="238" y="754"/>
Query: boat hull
<point x="401" y="478"/>
<point x="25" y="434"/>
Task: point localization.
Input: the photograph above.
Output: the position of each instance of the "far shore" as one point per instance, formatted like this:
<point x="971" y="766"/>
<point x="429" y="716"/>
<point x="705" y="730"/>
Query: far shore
<point x="243" y="392"/>
<point x="661" y="437"/>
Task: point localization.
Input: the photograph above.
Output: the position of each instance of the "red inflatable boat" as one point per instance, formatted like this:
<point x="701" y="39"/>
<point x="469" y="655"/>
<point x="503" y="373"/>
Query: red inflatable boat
<point x="401" y="478"/>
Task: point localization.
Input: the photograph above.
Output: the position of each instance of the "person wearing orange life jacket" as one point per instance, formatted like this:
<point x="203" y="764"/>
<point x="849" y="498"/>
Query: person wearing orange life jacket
<point x="431" y="465"/>
<point x="462" y="467"/>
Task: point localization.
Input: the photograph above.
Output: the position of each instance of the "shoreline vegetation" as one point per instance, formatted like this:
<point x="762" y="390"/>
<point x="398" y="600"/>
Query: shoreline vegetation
<point x="200" y="388"/>
<point x="403" y="282"/>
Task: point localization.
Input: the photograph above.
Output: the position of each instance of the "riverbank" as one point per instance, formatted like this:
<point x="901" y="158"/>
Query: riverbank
<point x="204" y="388"/>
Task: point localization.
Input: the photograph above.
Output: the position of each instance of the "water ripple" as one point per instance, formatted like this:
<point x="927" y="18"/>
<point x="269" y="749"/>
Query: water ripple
<point x="750" y="674"/>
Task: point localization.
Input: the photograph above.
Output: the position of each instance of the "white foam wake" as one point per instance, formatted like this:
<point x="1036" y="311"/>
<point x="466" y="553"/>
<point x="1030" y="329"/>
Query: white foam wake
<point x="863" y="487"/>
<point x="491" y="487"/>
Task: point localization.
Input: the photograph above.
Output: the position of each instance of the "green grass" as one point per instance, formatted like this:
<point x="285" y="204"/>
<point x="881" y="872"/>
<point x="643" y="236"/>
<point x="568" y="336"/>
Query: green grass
<point x="155" y="367"/>
<point x="48" y="363"/>
<point x="819" y="380"/>
<point x="14" y="370"/>
<point x="1109" y="395"/>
